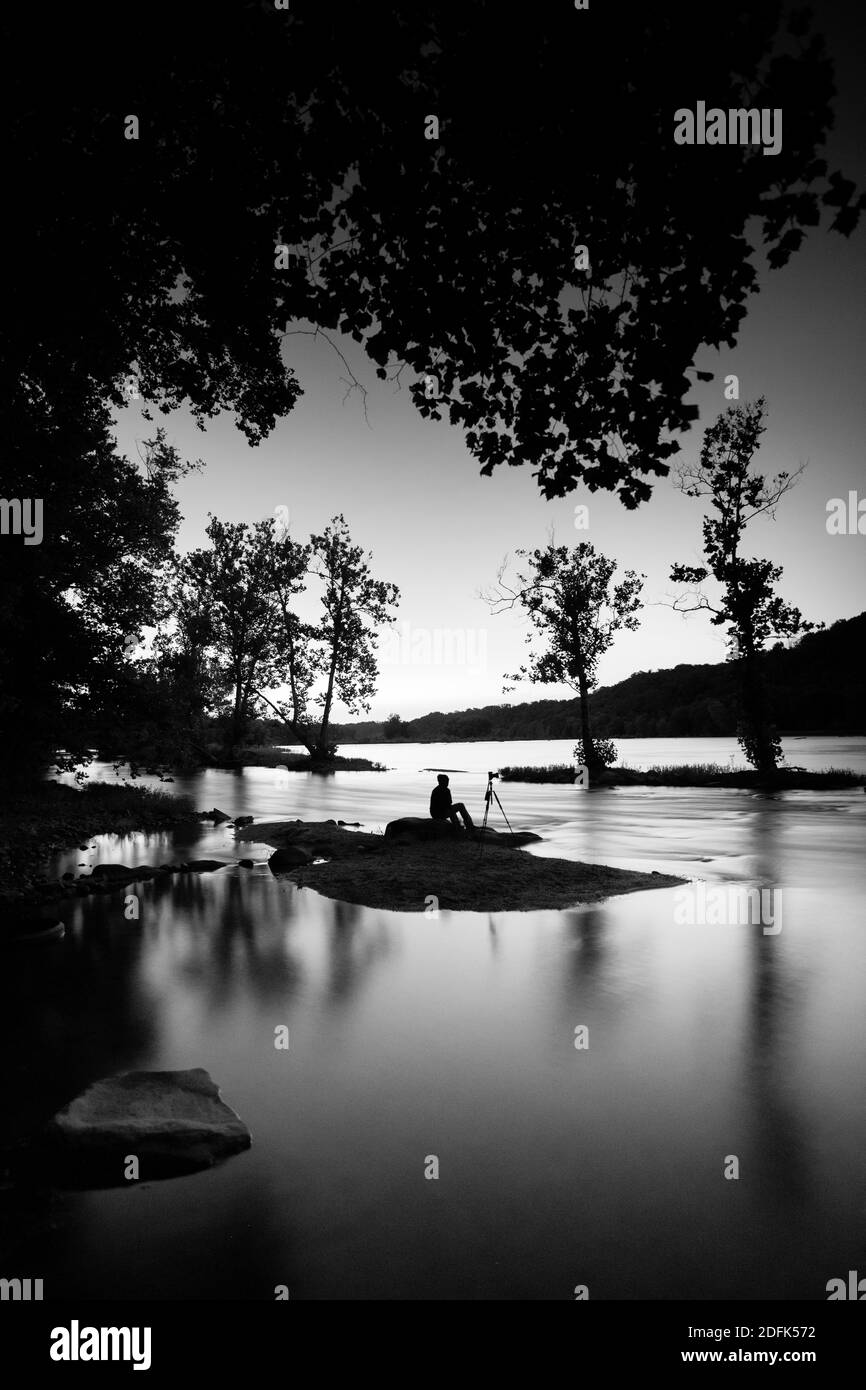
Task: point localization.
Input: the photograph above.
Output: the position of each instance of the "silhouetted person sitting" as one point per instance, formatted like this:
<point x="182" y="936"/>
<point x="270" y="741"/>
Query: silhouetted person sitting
<point x="441" y="807"/>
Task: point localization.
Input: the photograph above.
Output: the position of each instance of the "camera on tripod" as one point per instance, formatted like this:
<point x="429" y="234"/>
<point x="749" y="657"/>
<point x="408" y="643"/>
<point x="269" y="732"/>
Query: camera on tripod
<point x="489" y="797"/>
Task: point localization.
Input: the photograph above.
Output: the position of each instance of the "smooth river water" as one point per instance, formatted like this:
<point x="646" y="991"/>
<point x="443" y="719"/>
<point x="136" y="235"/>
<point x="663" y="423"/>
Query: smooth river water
<point x="454" y="1037"/>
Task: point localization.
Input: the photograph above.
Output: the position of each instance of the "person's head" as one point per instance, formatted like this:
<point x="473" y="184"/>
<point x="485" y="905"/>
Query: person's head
<point x="442" y="780"/>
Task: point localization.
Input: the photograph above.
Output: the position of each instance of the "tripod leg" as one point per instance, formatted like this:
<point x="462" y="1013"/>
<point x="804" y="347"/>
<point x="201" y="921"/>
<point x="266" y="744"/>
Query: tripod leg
<point x="504" y="817"/>
<point x="484" y="825"/>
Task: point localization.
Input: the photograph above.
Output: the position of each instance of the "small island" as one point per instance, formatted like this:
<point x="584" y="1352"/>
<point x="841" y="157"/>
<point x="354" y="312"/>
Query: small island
<point x="480" y="871"/>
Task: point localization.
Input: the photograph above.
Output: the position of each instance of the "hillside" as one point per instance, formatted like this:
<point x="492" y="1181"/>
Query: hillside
<point x="816" y="686"/>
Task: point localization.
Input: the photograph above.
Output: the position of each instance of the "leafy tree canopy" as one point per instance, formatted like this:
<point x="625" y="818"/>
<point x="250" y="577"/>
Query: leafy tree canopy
<point x="450" y="258"/>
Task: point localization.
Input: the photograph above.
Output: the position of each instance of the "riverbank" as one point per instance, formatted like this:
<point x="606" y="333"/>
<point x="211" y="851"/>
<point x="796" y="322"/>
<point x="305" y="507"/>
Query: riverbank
<point x="695" y="775"/>
<point x="51" y="817"/>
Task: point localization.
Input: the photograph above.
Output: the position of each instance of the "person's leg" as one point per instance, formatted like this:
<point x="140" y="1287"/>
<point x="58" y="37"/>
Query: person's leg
<point x="460" y="809"/>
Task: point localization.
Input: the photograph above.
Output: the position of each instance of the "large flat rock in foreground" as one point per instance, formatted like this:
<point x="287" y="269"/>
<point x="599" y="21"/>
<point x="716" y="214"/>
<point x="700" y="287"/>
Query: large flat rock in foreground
<point x="174" y="1122"/>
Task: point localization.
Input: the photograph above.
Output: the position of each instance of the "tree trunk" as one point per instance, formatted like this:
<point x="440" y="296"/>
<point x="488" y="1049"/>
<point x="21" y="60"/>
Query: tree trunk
<point x="322" y="751"/>
<point x="757" y="737"/>
<point x="301" y="734"/>
<point x="589" y="758"/>
<point x="235" y="730"/>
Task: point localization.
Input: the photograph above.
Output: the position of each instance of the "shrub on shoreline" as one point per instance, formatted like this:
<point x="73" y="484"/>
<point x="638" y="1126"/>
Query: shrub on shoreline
<point x="302" y="762"/>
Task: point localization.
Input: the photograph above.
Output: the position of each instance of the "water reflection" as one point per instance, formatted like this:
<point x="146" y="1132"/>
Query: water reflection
<point x="585" y="930"/>
<point x="776" y="1007"/>
<point x="455" y="1036"/>
<point x="355" y="947"/>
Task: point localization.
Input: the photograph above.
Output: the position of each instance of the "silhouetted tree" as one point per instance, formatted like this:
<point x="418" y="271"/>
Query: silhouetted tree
<point x="354" y="605"/>
<point x="572" y="606"/>
<point x="226" y="590"/>
<point x="74" y="607"/>
<point x="748" y="605"/>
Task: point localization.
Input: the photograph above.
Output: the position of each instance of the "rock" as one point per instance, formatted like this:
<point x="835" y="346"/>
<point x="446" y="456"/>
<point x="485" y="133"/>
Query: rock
<point x="67" y="876"/>
<point x="204" y="866"/>
<point x="350" y="822"/>
<point x="243" y="820"/>
<point x="246" y="863"/>
<point x="173" y="1121"/>
<point x="218" y="817"/>
<point x="84" y="846"/>
<point x="417" y="828"/>
<point x="322" y="839"/>
<point x="116" y="875"/>
<point x="288" y="857"/>
<point x="503" y="839"/>
<point x="420" y="829"/>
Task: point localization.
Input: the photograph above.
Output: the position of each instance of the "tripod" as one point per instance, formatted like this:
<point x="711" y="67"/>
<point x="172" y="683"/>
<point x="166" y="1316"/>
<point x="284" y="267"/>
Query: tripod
<point x="490" y="795"/>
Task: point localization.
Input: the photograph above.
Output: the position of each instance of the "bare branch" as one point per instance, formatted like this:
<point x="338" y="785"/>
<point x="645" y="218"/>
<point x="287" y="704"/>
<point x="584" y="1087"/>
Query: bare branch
<point x="692" y="601"/>
<point x="781" y="484"/>
<point x="352" y="384"/>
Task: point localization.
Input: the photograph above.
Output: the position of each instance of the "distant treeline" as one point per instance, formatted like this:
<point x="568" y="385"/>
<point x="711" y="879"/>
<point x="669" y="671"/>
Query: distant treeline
<point x="816" y="686"/>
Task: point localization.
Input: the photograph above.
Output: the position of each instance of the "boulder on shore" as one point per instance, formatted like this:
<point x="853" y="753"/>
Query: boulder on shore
<point x="173" y="1122"/>
<point x="289" y="857"/>
<point x="422" y="829"/>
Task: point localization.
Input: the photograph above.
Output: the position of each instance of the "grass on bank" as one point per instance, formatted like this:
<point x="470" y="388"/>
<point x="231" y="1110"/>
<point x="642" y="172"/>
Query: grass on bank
<point x="695" y="775"/>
